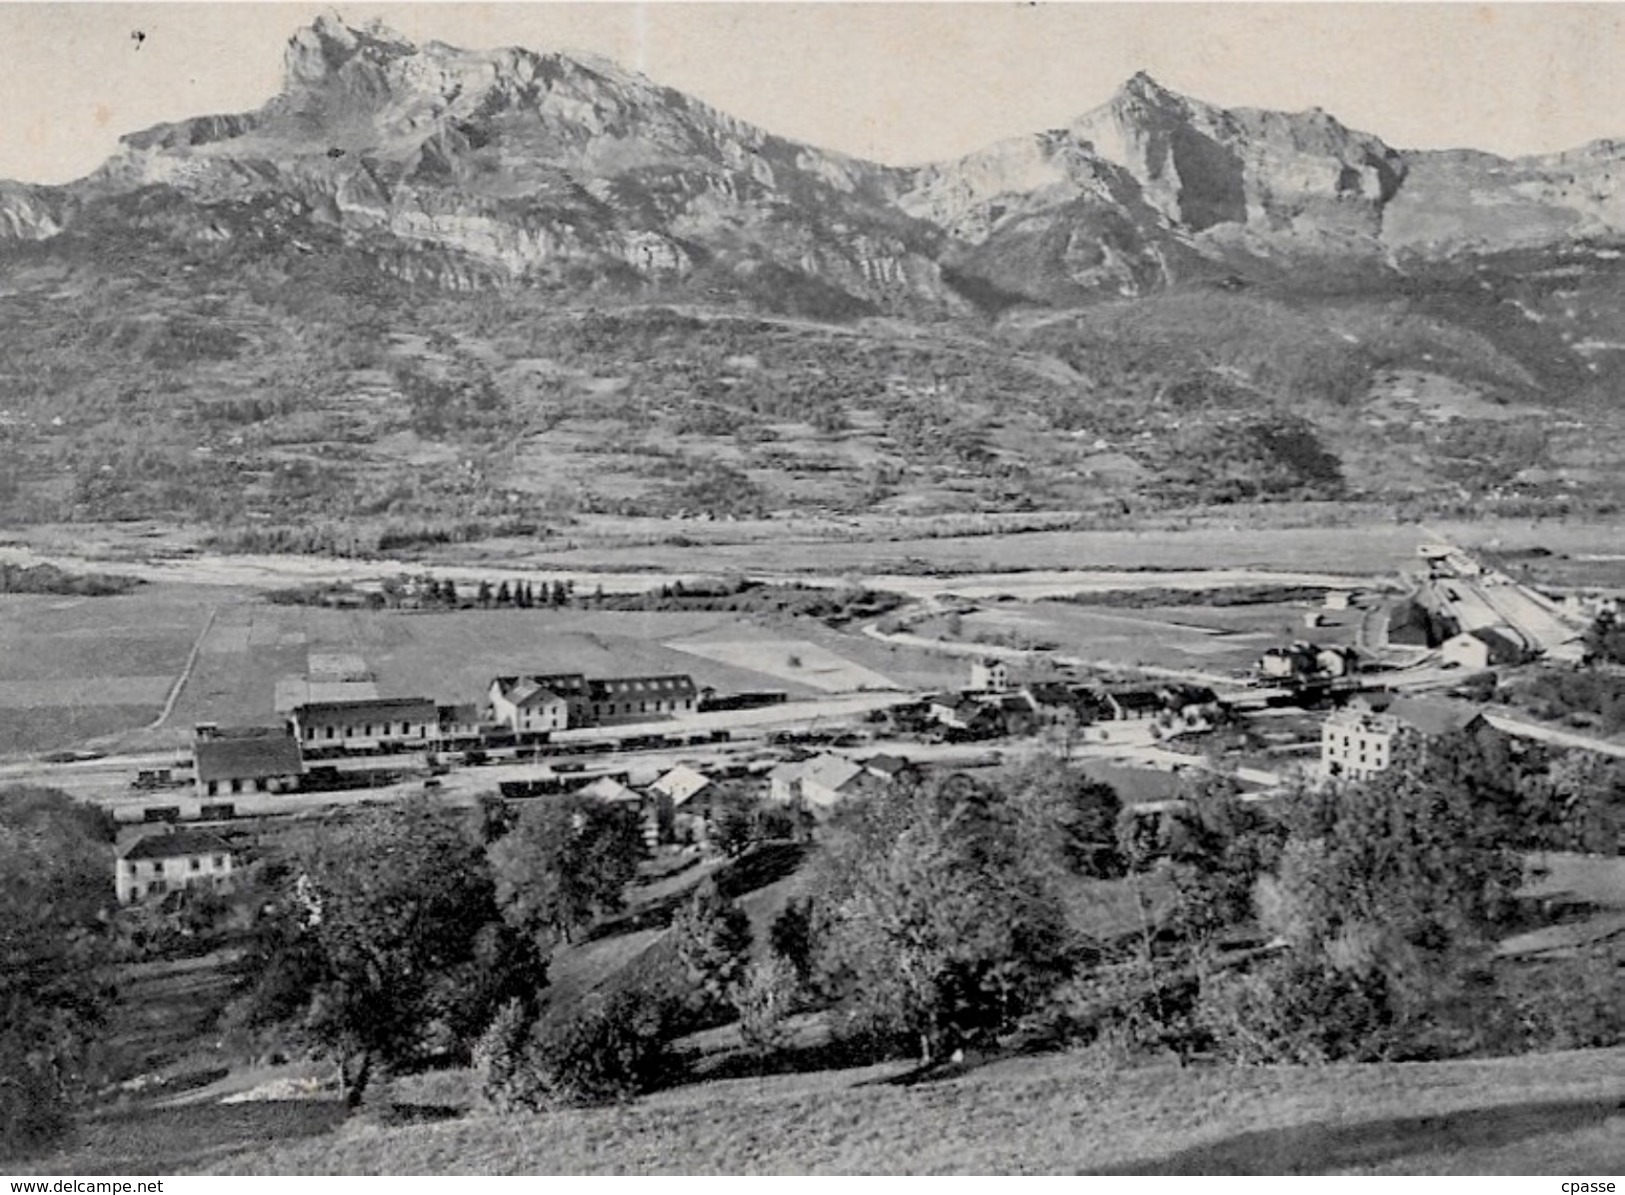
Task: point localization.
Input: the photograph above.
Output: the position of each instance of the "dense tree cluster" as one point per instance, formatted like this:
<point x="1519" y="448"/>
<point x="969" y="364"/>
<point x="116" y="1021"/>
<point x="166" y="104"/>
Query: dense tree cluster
<point x="1605" y="639"/>
<point x="936" y="926"/>
<point x="47" y="578"/>
<point x="565" y="863"/>
<point x="55" y="953"/>
<point x="389" y="950"/>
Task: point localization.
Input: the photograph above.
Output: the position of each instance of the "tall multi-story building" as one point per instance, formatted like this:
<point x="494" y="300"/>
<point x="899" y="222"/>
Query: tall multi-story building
<point x="1356" y="744"/>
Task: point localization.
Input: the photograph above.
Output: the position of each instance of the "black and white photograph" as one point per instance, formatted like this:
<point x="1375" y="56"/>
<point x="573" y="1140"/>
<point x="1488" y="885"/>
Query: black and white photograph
<point x="631" y="589"/>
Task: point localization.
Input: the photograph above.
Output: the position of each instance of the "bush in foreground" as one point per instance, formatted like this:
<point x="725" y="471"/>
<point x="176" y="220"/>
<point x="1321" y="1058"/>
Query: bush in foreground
<point x="606" y="1051"/>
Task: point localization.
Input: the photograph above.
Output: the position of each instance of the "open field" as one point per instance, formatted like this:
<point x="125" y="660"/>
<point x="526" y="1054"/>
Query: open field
<point x="867" y="549"/>
<point x="60" y="679"/>
<point x="1538" y="1114"/>
<point x="910" y="667"/>
<point x="1160" y="638"/>
<point x="793" y="661"/>
<point x="72" y="669"/>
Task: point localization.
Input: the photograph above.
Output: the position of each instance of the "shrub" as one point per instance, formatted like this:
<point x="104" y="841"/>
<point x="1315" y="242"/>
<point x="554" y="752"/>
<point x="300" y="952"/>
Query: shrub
<point x="712" y="936"/>
<point x="607" y="1051"/>
<point x="764" y="998"/>
<point x="1297" y="1010"/>
<point x="499" y="1057"/>
<point x="1571" y="1004"/>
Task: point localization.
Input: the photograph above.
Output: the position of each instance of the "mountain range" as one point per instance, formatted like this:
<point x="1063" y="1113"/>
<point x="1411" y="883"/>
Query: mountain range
<point x="441" y="265"/>
<point x="519" y="167"/>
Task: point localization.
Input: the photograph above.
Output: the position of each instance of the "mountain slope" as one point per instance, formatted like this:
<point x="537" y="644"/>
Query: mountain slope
<point x="436" y="291"/>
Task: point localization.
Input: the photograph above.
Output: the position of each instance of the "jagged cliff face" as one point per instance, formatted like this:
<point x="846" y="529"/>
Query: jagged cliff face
<point x="512" y="167"/>
<point x="1269" y="172"/>
<point x="534" y="166"/>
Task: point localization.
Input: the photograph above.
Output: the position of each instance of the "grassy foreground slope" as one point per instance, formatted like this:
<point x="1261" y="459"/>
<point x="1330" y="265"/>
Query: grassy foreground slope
<point x="1554" y="1113"/>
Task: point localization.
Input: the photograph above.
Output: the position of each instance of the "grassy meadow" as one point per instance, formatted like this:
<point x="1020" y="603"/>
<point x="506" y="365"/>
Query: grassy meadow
<point x="73" y="669"/>
<point x="100" y="669"/>
<point x="1538" y="1114"/>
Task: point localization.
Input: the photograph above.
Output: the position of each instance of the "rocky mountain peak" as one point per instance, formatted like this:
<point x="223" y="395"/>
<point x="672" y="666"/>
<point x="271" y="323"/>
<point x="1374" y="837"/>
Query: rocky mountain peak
<point x="1141" y="88"/>
<point x="319" y="52"/>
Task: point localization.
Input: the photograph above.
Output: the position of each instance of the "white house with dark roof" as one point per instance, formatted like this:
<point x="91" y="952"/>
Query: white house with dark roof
<point x="528" y="704"/>
<point x="255" y="759"/>
<point x="158" y="864"/>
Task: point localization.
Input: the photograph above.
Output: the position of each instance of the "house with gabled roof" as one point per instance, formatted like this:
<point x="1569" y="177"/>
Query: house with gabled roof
<point x="681" y="785"/>
<point x="533" y="704"/>
<point x="1129" y="705"/>
<point x="613" y="790"/>
<point x="459" y="722"/>
<point x="889" y="769"/>
<point x="784" y="781"/>
<point x="157" y="864"/>
<point x="828" y="780"/>
<point x="989" y="674"/>
<point x="1484" y="647"/>
<point x="246" y="759"/>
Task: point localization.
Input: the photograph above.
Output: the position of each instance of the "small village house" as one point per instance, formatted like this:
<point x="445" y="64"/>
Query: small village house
<point x="534" y="704"/>
<point x="1132" y="705"/>
<point x="989" y="674"/>
<point x="1484" y="647"/>
<point x="890" y="769"/>
<point x="458" y="723"/>
<point x="784" y="782"/>
<point x="830" y="780"/>
<point x="682" y="784"/>
<point x="818" y="784"/>
<point x="1410" y="624"/>
<point x="1056" y="701"/>
<point x="158" y="864"/>
<point x="1293" y="662"/>
<point x="612" y="790"/>
<point x="690" y="802"/>
<point x="249" y="759"/>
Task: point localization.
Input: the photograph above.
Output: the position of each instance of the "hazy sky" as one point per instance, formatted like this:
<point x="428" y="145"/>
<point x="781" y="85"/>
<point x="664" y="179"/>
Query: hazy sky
<point x="896" y="82"/>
